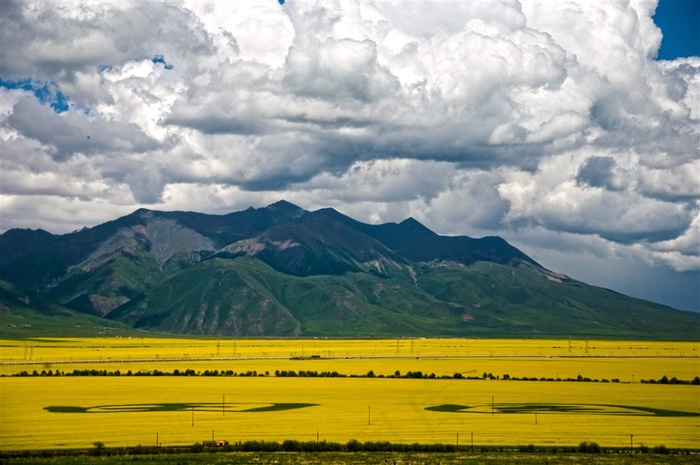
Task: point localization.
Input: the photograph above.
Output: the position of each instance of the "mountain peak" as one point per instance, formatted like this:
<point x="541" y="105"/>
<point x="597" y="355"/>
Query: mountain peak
<point x="284" y="208"/>
<point x="283" y="205"/>
<point x="22" y="231"/>
<point x="15" y="243"/>
<point x="413" y="223"/>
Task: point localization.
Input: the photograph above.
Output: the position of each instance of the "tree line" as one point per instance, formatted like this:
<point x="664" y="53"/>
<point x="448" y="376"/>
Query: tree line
<point x="352" y="446"/>
<point x="335" y="374"/>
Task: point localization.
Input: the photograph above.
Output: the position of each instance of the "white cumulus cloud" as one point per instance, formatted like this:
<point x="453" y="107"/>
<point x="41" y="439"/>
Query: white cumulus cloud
<point x="518" y="118"/>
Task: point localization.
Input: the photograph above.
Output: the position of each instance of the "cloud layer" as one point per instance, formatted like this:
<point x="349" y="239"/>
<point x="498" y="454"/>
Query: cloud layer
<point x="534" y="120"/>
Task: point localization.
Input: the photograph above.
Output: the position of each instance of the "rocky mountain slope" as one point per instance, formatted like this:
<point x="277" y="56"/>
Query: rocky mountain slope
<point x="285" y="271"/>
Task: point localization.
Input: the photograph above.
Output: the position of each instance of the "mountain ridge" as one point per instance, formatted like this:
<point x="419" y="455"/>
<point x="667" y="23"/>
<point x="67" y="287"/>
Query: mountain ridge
<point x="281" y="270"/>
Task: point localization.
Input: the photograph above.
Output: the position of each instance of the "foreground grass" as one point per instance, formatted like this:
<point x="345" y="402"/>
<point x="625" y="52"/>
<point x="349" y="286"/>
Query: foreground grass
<point x="344" y="458"/>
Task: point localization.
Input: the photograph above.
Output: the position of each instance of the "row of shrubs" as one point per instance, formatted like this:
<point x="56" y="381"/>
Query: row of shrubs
<point x="176" y="372"/>
<point x="353" y="445"/>
<point x="674" y="380"/>
<point x="335" y="374"/>
<point x="325" y="446"/>
<point x="579" y="378"/>
<point x="594" y="448"/>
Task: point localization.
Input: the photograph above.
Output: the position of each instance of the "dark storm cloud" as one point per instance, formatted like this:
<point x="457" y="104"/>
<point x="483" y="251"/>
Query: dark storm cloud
<point x="598" y="172"/>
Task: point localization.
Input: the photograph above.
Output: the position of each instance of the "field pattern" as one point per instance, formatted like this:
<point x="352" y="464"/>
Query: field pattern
<point x="60" y="411"/>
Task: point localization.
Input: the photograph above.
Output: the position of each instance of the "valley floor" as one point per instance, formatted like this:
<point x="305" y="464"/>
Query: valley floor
<point x="62" y="394"/>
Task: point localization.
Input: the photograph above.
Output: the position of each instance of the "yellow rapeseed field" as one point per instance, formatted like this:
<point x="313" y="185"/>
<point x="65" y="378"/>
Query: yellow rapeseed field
<point x="53" y="412"/>
<point x="124" y="348"/>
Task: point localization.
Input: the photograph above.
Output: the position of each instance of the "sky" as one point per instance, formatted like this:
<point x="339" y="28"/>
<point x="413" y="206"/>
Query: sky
<point x="569" y="128"/>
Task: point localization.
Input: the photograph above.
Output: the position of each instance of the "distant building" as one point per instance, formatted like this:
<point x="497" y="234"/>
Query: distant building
<point x="217" y="443"/>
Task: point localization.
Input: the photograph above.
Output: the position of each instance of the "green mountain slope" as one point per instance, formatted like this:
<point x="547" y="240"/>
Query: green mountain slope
<point x="217" y="297"/>
<point x="244" y="296"/>
<point x="502" y="300"/>
<point x="24" y="314"/>
<point x="285" y="271"/>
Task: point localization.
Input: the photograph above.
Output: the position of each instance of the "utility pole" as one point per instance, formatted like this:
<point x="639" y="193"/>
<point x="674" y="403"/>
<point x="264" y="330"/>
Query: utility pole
<point x="369" y="414"/>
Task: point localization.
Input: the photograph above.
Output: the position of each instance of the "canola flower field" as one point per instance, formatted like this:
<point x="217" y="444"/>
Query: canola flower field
<point x="466" y="392"/>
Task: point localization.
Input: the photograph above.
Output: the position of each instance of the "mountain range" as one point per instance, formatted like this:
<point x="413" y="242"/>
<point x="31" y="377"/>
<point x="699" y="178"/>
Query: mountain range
<point x="285" y="271"/>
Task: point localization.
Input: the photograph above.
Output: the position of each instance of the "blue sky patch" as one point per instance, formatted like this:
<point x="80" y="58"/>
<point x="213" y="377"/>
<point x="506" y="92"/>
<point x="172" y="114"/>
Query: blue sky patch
<point x="679" y="21"/>
<point x="45" y="92"/>
<point x="161" y="59"/>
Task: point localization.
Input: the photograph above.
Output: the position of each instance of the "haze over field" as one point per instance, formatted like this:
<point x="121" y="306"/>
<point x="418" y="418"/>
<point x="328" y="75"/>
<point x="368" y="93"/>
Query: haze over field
<point x="551" y="124"/>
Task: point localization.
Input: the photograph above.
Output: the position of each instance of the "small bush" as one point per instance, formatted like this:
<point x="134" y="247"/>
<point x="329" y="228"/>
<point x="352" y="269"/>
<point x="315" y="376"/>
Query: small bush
<point x="197" y="447"/>
<point x="260" y="446"/>
<point x="661" y="449"/>
<point x="291" y="446"/>
<point x="589" y="447"/>
<point x="354" y="445"/>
